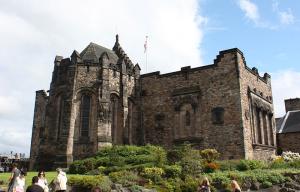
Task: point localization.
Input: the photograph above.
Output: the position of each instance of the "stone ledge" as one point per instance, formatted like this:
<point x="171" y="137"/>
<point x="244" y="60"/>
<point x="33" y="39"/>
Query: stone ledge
<point x="262" y="146"/>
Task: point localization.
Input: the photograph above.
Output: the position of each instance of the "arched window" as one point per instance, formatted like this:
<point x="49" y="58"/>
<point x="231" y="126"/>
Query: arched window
<point x="85" y="115"/>
<point x="187" y="118"/>
<point x="60" y="118"/>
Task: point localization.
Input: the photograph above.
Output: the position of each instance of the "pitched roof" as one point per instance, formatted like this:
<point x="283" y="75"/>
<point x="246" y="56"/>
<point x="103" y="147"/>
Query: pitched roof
<point x="93" y="52"/>
<point x="289" y="123"/>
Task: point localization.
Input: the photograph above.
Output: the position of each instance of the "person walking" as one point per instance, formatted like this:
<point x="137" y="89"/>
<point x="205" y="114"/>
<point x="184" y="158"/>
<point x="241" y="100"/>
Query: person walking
<point x="43" y="181"/>
<point x="20" y="182"/>
<point x="15" y="172"/>
<point x="60" y="181"/>
<point x="35" y="186"/>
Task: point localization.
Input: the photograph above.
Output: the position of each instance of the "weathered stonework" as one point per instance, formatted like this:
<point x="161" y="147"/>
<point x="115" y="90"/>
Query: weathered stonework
<point x="288" y="127"/>
<point x="98" y="98"/>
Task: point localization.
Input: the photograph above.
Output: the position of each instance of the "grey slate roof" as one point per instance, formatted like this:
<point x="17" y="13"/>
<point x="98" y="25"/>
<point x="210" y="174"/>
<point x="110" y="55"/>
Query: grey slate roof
<point x="289" y="123"/>
<point x="93" y="52"/>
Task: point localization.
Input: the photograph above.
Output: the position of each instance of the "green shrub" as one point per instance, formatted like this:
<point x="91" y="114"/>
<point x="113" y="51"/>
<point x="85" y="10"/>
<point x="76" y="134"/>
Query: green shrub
<point x="135" y="188"/>
<point x="210" y="167"/>
<point x="117" y="158"/>
<point x="190" y="161"/>
<point x="89" y="182"/>
<point x="153" y="173"/>
<point x="294" y="164"/>
<point x="82" y="166"/>
<point x="172" y="184"/>
<point x="190" y="184"/>
<point x="173" y="171"/>
<point x="278" y="163"/>
<point x="245" y="165"/>
<point x="228" y="165"/>
<point x="220" y="179"/>
<point x="126" y="178"/>
<point x="191" y="166"/>
<point x="209" y="155"/>
<point x="266" y="184"/>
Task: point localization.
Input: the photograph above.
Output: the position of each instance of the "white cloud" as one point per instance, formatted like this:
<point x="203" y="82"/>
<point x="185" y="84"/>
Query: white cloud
<point x="285" y="85"/>
<point x="286" y="17"/>
<point x="250" y="9"/>
<point x="9" y="106"/>
<point x="33" y="33"/>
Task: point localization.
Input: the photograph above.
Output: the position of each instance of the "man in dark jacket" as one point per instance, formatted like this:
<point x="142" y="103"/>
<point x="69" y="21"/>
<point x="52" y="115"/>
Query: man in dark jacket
<point x="35" y="187"/>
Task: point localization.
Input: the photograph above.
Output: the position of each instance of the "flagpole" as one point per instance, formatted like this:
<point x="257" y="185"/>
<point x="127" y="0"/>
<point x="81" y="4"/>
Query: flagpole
<point x="146" y="52"/>
<point x="146" y="61"/>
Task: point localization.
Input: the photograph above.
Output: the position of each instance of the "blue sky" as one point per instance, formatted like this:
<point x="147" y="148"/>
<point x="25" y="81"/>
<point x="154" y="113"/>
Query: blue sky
<point x="268" y="43"/>
<point x="181" y="33"/>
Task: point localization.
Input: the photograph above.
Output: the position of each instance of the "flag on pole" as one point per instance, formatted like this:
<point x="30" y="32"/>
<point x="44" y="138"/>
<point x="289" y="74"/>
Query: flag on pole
<point x="145" y="44"/>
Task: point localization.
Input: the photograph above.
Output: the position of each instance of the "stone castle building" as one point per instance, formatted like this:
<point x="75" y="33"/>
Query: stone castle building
<point x="98" y="97"/>
<point x="288" y="127"/>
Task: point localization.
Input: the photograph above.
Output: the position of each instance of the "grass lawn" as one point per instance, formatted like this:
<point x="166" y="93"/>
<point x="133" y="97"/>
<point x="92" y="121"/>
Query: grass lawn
<point x="49" y="176"/>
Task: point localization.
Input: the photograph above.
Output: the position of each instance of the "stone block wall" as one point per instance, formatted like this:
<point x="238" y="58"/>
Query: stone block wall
<point x="256" y="93"/>
<point x="38" y="128"/>
<point x="292" y="104"/>
<point x="165" y="97"/>
<point x="289" y="141"/>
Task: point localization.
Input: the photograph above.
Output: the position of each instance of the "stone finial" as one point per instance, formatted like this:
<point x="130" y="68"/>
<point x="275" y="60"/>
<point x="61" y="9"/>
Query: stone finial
<point x="117" y="38"/>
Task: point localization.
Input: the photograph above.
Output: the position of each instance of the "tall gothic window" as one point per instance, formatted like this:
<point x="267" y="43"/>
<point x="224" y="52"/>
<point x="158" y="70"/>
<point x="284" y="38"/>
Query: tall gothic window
<point x="85" y="115"/>
<point x="116" y="131"/>
<point x="271" y="130"/>
<point x="60" y="122"/>
<point x="258" y="126"/>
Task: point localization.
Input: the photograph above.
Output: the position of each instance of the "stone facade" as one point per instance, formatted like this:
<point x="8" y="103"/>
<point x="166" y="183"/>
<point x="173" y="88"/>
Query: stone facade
<point x="98" y="98"/>
<point x="292" y="104"/>
<point x="288" y="127"/>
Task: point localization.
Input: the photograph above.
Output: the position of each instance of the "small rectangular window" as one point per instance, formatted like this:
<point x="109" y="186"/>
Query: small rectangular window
<point x="218" y="115"/>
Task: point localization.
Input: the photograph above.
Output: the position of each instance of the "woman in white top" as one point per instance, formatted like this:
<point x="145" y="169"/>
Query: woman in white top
<point x="20" y="182"/>
<point x="43" y="181"/>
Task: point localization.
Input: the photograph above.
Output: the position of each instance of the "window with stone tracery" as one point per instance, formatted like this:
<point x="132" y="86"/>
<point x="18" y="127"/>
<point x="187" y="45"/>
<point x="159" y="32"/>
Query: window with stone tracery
<point x="85" y="115"/>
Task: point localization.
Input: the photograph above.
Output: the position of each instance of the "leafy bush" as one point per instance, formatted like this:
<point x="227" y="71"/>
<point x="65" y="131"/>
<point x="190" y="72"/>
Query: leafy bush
<point x="89" y="182"/>
<point x="172" y="185"/>
<point x="190" y="160"/>
<point x="211" y="167"/>
<point x="82" y="166"/>
<point x="190" y="184"/>
<point x="250" y="165"/>
<point x="153" y="173"/>
<point x="126" y="178"/>
<point x="118" y="158"/>
<point x="173" y="171"/>
<point x="135" y="188"/>
<point x="209" y="155"/>
<point x="295" y="164"/>
<point x="278" y="163"/>
<point x="266" y="184"/>
<point x="191" y="166"/>
<point x="228" y="165"/>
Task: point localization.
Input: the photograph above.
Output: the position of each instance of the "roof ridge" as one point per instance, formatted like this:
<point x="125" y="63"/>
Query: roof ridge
<point x="284" y="121"/>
